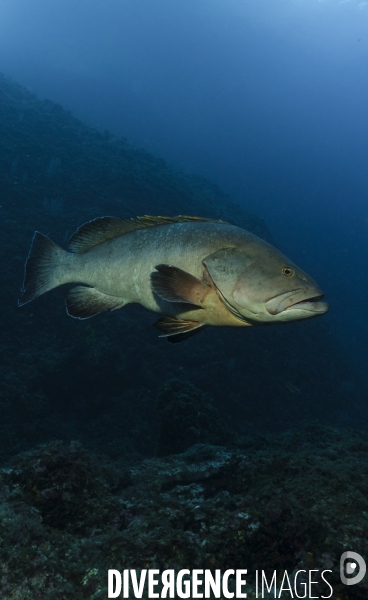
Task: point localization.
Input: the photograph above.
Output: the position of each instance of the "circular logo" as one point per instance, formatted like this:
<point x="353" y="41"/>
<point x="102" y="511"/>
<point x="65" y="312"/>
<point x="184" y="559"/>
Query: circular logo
<point x="352" y="568"/>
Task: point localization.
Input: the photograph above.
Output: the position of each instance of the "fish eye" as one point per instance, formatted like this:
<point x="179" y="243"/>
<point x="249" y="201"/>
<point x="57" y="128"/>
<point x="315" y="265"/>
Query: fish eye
<point x="287" y="271"/>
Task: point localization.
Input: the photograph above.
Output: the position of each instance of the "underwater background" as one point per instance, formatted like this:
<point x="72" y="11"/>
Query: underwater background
<point x="236" y="449"/>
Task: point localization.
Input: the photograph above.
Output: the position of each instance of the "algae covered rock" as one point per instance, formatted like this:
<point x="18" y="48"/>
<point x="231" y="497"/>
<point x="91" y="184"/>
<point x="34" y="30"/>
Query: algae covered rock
<point x="293" y="501"/>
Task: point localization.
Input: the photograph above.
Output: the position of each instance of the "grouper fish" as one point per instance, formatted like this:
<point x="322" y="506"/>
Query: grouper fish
<point x="195" y="272"/>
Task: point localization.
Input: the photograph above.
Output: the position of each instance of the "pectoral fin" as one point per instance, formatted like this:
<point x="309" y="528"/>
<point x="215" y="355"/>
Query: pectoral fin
<point x="177" y="330"/>
<point x="174" y="285"/>
<point x="85" y="302"/>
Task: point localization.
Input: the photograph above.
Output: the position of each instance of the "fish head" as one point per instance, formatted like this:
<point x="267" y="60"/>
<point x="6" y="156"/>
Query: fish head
<point x="259" y="284"/>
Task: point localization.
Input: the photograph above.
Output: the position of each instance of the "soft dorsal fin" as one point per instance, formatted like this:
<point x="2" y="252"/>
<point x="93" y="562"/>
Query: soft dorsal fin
<point x="102" y="229"/>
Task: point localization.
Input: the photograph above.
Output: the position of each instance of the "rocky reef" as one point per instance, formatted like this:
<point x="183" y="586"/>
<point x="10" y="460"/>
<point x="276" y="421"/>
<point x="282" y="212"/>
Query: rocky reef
<point x="292" y="501"/>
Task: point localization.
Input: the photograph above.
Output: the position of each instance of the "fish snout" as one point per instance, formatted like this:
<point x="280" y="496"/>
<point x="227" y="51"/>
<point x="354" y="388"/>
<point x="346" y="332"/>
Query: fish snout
<point x="306" y="300"/>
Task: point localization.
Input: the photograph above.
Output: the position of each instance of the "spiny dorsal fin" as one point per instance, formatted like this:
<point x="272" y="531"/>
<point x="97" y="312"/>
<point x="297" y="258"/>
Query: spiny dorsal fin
<point x="102" y="229"/>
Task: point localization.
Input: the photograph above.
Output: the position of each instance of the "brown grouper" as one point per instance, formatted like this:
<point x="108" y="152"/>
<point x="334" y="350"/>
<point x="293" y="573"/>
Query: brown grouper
<point x="195" y="272"/>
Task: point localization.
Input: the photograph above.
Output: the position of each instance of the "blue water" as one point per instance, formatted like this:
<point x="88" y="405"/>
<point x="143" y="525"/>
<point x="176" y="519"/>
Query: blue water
<point x="267" y="99"/>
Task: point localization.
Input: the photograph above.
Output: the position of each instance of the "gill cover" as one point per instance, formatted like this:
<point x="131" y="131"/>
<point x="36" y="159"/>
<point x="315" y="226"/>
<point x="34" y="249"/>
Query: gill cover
<point x="225" y="267"/>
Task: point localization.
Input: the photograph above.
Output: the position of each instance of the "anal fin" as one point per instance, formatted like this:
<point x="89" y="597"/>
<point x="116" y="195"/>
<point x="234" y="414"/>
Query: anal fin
<point x="85" y="302"/>
<point x="177" y="330"/>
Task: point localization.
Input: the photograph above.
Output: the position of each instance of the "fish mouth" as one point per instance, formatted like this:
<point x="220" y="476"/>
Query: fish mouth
<point x="301" y="300"/>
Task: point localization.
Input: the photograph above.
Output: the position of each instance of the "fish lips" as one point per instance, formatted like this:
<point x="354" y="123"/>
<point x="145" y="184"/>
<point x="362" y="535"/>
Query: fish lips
<point x="301" y="300"/>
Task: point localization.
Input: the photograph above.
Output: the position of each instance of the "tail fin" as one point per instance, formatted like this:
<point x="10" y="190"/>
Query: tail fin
<point x="39" y="276"/>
